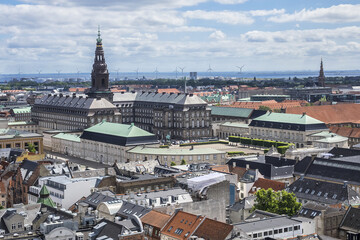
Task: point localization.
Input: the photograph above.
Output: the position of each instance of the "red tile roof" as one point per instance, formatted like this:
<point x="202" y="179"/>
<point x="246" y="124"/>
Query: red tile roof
<point x="213" y="230"/>
<point x="266" y="184"/>
<point x="181" y="224"/>
<point x="238" y="170"/>
<point x="346" y="131"/>
<point x="330" y="114"/>
<point x="168" y="90"/>
<point x="272" y="104"/>
<point x="221" y="168"/>
<point x="156" y="219"/>
<point x="79" y="89"/>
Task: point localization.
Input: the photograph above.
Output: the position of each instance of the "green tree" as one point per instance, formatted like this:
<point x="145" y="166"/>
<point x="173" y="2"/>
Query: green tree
<point x="172" y="164"/>
<point x="183" y="162"/>
<point x="280" y="202"/>
<point x="266" y="108"/>
<point x="31" y="148"/>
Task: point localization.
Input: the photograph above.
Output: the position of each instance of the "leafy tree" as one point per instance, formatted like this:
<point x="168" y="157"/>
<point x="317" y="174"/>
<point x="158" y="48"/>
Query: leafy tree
<point x="280" y="202"/>
<point x="31" y="148"/>
<point x="183" y="162"/>
<point x="172" y="164"/>
<point x="266" y="108"/>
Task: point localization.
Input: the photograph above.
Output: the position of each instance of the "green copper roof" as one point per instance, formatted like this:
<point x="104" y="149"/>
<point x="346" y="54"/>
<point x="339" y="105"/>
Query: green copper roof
<point x="231" y="112"/>
<point x="235" y="124"/>
<point x="45" y="197"/>
<point x="22" y="110"/>
<point x="119" y="130"/>
<point x="66" y="136"/>
<point x="44" y="191"/>
<point x="288" y="118"/>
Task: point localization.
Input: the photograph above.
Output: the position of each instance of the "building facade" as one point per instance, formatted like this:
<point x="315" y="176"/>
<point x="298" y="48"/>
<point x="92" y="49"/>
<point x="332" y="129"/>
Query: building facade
<point x="105" y="142"/>
<point x="179" y="116"/>
<point x="294" y="128"/>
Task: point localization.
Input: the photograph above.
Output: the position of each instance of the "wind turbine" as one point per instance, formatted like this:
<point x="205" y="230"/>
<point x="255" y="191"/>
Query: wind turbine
<point x="156" y="72"/>
<point x="39" y="72"/>
<point x="240" y="70"/>
<point x="182" y="71"/>
<point x="210" y="70"/>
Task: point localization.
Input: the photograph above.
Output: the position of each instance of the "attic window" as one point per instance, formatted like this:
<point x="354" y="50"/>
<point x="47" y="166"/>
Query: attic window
<point x="335" y="195"/>
<point x="300" y="189"/>
<point x="326" y="194"/>
<point x="307" y="190"/>
<point x="319" y="193"/>
<point x="170" y="228"/>
<point x="312" y="192"/>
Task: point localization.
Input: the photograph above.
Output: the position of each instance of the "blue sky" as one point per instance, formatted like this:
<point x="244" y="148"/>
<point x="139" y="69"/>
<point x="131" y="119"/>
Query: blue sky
<point x="263" y="35"/>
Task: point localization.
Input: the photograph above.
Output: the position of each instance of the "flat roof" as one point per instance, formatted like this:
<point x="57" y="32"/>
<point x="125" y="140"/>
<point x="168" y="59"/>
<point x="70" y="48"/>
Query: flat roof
<point x="174" y="151"/>
<point x="269" y="223"/>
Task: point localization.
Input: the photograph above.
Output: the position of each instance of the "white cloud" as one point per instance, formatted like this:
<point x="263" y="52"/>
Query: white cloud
<point x="218" y="35"/>
<point x="230" y="1"/>
<point x="227" y="17"/>
<point x="334" y="14"/>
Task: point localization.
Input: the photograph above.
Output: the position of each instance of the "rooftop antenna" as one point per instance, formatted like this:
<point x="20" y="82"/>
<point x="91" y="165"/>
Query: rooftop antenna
<point x="176" y="72"/>
<point x="182" y="76"/>
<point x="156" y="72"/>
<point x="137" y="73"/>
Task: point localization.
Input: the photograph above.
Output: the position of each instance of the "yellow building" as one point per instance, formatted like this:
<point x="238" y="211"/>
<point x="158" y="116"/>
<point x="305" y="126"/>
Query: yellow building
<point x="10" y="138"/>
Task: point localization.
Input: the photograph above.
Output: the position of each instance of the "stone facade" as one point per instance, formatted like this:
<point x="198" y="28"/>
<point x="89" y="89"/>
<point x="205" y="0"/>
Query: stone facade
<point x="181" y="116"/>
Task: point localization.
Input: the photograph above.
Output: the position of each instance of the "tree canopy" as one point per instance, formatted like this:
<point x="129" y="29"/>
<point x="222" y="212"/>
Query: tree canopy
<point x="280" y="202"/>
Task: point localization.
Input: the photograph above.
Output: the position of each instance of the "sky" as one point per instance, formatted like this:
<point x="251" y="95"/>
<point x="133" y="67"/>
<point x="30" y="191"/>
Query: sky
<point x="263" y="35"/>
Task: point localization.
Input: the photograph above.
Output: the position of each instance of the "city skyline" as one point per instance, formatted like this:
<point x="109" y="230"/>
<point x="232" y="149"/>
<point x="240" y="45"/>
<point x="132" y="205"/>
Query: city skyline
<point x="53" y="36"/>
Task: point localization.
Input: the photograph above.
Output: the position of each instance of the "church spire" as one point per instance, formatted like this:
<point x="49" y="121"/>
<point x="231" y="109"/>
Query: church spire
<point x="100" y="73"/>
<point x="321" y="78"/>
<point x="99" y="40"/>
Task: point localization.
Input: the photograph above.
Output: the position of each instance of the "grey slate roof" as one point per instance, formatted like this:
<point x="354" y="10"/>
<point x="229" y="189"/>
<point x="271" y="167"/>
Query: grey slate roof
<point x="95" y="198"/>
<point x="77" y="102"/>
<point x="312" y="210"/>
<point x="351" y="220"/>
<point x="232" y="112"/>
<point x="153" y="97"/>
<point x="324" y="192"/>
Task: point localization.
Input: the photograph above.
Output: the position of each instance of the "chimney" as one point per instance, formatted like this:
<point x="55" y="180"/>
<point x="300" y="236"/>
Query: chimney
<point x="304" y="113"/>
<point x="234" y="164"/>
<point x="345" y="184"/>
<point x="74" y="94"/>
<point x="247" y="167"/>
<point x="61" y="95"/>
<point x="302" y="176"/>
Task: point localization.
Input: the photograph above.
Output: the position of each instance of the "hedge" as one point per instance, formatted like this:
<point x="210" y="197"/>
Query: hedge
<point x="164" y="146"/>
<point x="236" y="153"/>
<point x="281" y="146"/>
<point x="266" y="150"/>
<point x="282" y="149"/>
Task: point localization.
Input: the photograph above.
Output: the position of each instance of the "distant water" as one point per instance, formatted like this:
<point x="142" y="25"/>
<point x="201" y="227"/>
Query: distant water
<point x="173" y="75"/>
